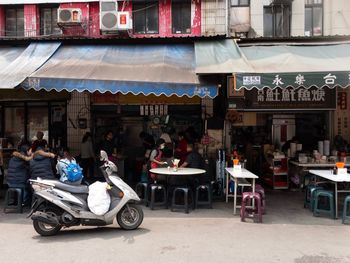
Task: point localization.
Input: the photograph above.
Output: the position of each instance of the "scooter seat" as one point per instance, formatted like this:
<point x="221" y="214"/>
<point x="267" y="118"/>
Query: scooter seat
<point x="75" y="189"/>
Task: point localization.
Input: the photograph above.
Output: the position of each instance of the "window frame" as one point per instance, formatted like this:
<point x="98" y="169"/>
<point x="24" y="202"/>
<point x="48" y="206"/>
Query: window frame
<point x="16" y="8"/>
<point x="274" y="20"/>
<point x="41" y="17"/>
<point x="182" y="4"/>
<point x="239" y="4"/>
<point x="145" y="5"/>
<point x="312" y="7"/>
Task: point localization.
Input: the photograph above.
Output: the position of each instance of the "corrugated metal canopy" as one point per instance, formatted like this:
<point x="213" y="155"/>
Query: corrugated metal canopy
<point x="139" y="69"/>
<point x="24" y="62"/>
<point x="276" y="65"/>
<point x="8" y="55"/>
<point x="220" y="56"/>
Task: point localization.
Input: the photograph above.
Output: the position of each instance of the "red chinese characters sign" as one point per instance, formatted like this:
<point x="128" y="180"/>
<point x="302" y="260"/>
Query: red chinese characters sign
<point x="289" y="98"/>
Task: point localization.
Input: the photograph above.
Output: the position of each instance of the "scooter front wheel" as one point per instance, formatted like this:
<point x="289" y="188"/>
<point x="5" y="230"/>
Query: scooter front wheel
<point x="130" y="217"/>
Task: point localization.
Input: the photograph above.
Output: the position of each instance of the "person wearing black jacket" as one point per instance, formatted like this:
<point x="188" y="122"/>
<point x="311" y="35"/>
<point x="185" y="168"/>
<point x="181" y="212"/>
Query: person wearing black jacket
<point x="40" y="165"/>
<point x="18" y="171"/>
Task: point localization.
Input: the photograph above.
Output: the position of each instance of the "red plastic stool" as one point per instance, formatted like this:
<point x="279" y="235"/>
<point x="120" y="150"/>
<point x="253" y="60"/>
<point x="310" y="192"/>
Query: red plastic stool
<point x="259" y="189"/>
<point x="247" y="198"/>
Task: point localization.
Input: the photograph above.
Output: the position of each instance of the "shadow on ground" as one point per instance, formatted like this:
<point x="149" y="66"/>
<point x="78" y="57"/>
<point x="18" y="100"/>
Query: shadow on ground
<point x="283" y="207"/>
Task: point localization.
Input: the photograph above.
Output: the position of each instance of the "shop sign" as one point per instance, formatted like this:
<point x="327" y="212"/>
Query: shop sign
<point x="342" y="115"/>
<point x="153" y="110"/>
<point x="342" y="100"/>
<point x="289" y="98"/>
<point x="295" y="80"/>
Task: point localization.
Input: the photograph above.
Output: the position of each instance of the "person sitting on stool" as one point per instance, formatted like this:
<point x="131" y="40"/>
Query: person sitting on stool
<point x="18" y="172"/>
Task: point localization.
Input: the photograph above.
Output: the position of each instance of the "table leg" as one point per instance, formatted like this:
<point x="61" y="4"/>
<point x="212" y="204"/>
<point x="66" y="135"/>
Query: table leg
<point x="253" y="186"/>
<point x="227" y="190"/>
<point x="235" y="197"/>
<point x="336" y="199"/>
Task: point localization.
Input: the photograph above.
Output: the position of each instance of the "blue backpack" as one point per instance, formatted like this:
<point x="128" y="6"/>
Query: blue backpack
<point x="74" y="172"/>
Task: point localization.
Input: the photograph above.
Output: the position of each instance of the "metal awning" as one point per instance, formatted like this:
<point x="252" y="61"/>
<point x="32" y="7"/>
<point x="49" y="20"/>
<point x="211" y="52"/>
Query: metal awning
<point x="276" y="65"/>
<point x="17" y="64"/>
<point x="220" y="56"/>
<point x="138" y="69"/>
<point x="296" y="66"/>
<point x="8" y="55"/>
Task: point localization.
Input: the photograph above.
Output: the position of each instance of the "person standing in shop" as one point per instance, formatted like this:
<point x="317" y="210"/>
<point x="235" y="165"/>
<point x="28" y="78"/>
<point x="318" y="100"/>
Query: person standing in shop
<point x="87" y="156"/>
<point x="181" y="149"/>
<point x="40" y="142"/>
<point x="155" y="158"/>
<point x="147" y="143"/>
<point x="109" y="147"/>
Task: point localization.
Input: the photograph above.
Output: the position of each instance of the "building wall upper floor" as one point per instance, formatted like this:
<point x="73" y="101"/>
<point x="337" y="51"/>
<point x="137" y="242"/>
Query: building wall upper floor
<point x="181" y="18"/>
<point x="151" y="18"/>
<point x="283" y="18"/>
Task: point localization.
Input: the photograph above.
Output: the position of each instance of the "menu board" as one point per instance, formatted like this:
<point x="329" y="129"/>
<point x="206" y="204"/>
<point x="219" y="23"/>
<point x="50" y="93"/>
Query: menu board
<point x="342" y="114"/>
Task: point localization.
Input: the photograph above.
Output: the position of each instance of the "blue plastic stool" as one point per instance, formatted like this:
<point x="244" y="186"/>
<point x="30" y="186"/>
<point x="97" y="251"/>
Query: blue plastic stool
<point x="161" y="191"/>
<point x="330" y="196"/>
<point x="346" y="217"/>
<point x="14" y="200"/>
<point x="312" y="189"/>
<point x="186" y="193"/>
<point x="205" y="188"/>
<point x="142" y="191"/>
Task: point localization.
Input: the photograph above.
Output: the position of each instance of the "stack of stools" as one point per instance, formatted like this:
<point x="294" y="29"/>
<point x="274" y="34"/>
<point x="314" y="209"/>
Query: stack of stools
<point x="158" y="196"/>
<point x="142" y="191"/>
<point x="205" y="189"/>
<point x="346" y="215"/>
<point x="329" y="209"/>
<point x="259" y="189"/>
<point x="185" y="193"/>
<point x="13" y="200"/>
<point x="310" y="194"/>
<point x="246" y="211"/>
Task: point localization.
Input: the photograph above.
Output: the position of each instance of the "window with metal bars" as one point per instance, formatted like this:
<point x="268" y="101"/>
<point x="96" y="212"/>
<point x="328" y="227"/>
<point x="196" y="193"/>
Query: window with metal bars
<point x="14" y="21"/>
<point x="181" y="17"/>
<point x="145" y="17"/>
<point x="240" y="2"/>
<point x="313" y="17"/>
<point x="277" y="20"/>
<point x="48" y="21"/>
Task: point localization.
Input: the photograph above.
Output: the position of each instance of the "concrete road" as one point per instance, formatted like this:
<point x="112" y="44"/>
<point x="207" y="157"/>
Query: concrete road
<point x="289" y="234"/>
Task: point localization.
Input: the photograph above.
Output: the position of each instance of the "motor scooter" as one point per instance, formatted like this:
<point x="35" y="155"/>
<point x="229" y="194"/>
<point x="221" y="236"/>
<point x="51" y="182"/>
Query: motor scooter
<point x="57" y="204"/>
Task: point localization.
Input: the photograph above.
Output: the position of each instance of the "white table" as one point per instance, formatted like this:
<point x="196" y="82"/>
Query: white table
<point x="181" y="171"/>
<point x="335" y="179"/>
<point x="244" y="174"/>
<point x="305" y="167"/>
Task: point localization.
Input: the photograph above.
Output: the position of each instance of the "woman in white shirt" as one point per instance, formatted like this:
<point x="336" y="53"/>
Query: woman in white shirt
<point x="87" y="156"/>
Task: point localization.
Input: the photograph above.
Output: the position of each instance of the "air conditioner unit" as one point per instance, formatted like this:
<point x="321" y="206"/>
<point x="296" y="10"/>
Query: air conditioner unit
<point x="108" y="15"/>
<point x="124" y="21"/>
<point x="69" y="15"/>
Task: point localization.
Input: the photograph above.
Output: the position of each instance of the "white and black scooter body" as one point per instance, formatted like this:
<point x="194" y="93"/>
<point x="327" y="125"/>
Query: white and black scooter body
<point x="62" y="205"/>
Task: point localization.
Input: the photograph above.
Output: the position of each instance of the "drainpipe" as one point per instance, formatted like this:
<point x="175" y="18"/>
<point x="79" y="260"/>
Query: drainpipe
<point x="227" y="18"/>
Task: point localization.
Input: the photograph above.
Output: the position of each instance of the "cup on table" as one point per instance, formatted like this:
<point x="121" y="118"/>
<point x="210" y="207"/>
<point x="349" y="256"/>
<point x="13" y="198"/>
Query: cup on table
<point x="235" y="161"/>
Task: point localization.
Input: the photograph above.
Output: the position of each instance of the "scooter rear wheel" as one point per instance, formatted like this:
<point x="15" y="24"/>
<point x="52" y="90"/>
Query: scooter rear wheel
<point x="46" y="229"/>
<point x="130" y="217"/>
